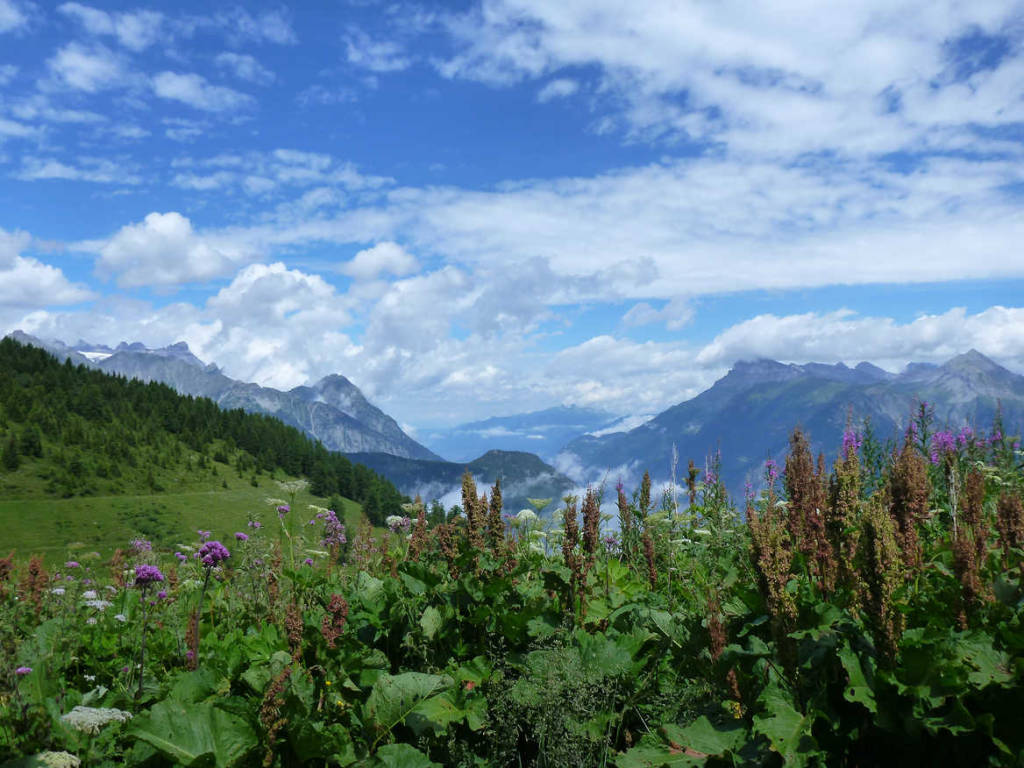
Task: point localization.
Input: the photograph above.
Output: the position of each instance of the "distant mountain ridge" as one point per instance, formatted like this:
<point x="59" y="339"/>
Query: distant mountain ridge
<point x="543" y="432"/>
<point x="749" y="413"/>
<point x="333" y="411"/>
<point x="523" y="475"/>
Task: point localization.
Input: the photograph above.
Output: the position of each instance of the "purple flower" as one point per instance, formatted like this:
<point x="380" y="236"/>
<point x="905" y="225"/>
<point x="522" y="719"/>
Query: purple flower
<point x="147" y="574"/>
<point x="204" y="535"/>
<point x="190" y="655"/>
<point x="141" y="545"/>
<point x="239" y="536"/>
<point x="213" y="552"/>
<point x="334" y="531"/>
<point x="710" y="478"/>
<point x="162" y="594"/>
<point x="997" y="437"/>
<point x="22" y="671"/>
<point x="851" y="442"/>
<point x="771" y="471"/>
<point x="181" y="557"/>
<point x="254" y="524"/>
<point x="942" y="443"/>
<point x="308" y="561"/>
<point x="72" y="564"/>
<point x="965" y="436"/>
<point x="1016" y="446"/>
<point x="283" y="510"/>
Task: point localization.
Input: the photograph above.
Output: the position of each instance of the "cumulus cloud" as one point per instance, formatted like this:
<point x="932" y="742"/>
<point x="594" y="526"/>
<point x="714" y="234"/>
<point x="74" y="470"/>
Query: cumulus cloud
<point x="136" y="30"/>
<point x="374" y="55"/>
<point x="12" y="16"/>
<point x="843" y="336"/>
<point x="384" y="257"/>
<point x="164" y="250"/>
<point x="87" y="68"/>
<point x="560" y="88"/>
<point x="194" y="90"/>
<point x="26" y="283"/>
<point x="245" y="67"/>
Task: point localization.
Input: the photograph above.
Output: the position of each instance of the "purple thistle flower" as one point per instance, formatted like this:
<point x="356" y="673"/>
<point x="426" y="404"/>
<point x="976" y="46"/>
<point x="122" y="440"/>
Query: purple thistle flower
<point x="147" y="574"/>
<point x="141" y="545"/>
<point x="162" y="594"/>
<point x="190" y="655"/>
<point x="851" y="442"/>
<point x="181" y="557"/>
<point x="72" y="564"/>
<point x="213" y="552"/>
<point x="283" y="510"/>
<point x="204" y="535"/>
<point x="22" y="671"/>
<point x="239" y="536"/>
<point x="254" y="524"/>
<point x="308" y="561"/>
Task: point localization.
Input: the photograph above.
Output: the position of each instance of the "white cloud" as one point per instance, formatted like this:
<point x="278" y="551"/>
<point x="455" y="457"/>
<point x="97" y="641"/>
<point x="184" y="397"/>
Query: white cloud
<point x="87" y="68"/>
<point x="194" y="90"/>
<point x="245" y="67"/>
<point x="374" y="55"/>
<point x="842" y="336"/>
<point x="91" y="169"/>
<point x="12" y="16"/>
<point x="270" y="26"/>
<point x="164" y="250"/>
<point x="676" y="314"/>
<point x="15" y="130"/>
<point x="7" y="73"/>
<point x="26" y="283"/>
<point x="560" y="88"/>
<point x="384" y="257"/>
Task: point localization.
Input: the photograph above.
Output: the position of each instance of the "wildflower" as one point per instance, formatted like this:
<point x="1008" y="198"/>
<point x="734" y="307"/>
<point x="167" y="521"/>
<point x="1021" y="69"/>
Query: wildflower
<point x="333" y="623"/>
<point x="162" y="594"/>
<point x="1010" y="521"/>
<point x="57" y="591"/>
<point x="147" y="574"/>
<point x="282" y="510"/>
<point x="91" y="620"/>
<point x="121" y="617"/>
<point x="255" y="524"/>
<point x="92" y="719"/>
<point x="908" y="492"/>
<point x="204" y="535"/>
<point x="22" y="671"/>
<point x="943" y="444"/>
<point x="239" y="536"/>
<point x="771" y="471"/>
<point x="181" y="557"/>
<point x="89" y="594"/>
<point x="308" y="561"/>
<point x="141" y="545"/>
<point x="213" y="552"/>
<point x="334" y="531"/>
<point x="99" y="605"/>
<point x="72" y="564"/>
<point x="58" y="760"/>
<point x="526" y="516"/>
<point x="851" y="441"/>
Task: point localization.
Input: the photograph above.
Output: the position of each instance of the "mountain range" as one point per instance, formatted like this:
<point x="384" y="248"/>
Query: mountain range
<point x="332" y="410"/>
<point x="749" y="414"/>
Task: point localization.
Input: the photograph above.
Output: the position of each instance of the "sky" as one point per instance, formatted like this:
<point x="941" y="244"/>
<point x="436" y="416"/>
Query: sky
<point x="483" y="208"/>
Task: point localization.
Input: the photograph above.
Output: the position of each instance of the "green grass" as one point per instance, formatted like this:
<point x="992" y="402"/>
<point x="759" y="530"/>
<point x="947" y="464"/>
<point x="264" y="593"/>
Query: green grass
<point x="56" y="528"/>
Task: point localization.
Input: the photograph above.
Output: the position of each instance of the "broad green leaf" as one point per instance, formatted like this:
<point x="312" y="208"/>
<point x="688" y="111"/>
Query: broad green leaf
<point x="369" y="590"/>
<point x="395" y="696"/>
<point x="435" y="713"/>
<point x="703" y="736"/>
<point x="404" y="756"/>
<point x="195" y="734"/>
<point x="431" y="622"/>
<point x="788" y="732"/>
<point x="857" y="690"/>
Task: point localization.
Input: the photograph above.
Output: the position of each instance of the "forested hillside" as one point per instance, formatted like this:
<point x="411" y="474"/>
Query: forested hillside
<point x="69" y="431"/>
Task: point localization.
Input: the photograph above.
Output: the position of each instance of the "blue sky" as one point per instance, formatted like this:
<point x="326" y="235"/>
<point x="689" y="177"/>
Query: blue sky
<point x="474" y="209"/>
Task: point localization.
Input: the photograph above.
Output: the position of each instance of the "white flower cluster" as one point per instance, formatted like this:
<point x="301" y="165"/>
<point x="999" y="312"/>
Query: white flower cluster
<point x="91" y="719"/>
<point x="58" y="760"/>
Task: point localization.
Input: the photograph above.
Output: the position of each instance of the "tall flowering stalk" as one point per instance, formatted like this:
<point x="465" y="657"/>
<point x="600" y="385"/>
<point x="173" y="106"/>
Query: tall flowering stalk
<point x="145" y="577"/>
<point x="211" y="554"/>
<point x="909" y="491"/>
<point x="805" y="490"/>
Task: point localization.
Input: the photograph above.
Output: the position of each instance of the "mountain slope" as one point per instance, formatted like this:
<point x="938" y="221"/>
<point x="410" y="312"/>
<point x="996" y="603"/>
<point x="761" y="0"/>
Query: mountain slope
<point x="523" y="476"/>
<point x="332" y="411"/>
<point x="749" y="413"/>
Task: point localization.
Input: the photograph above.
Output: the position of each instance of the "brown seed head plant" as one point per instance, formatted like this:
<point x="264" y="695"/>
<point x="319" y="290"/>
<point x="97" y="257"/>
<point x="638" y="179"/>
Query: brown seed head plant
<point x="6" y="569"/>
<point x="117" y="566"/>
<point x="333" y="623"/>
<point x="419" y="535"/>
<point x="471" y="506"/>
<point x="570" y="554"/>
<point x="1010" y="521"/>
<point x="652" y="567"/>
<point x="446" y="542"/>
<point x="293" y="629"/>
<point x="33" y="583"/>
<point x="842" y="514"/>
<point x="591" y="525"/>
<point x="881" y="568"/>
<point x="625" y="523"/>
<point x="691" y="482"/>
<point x="645" y="496"/>
<point x="805" y="490"/>
<point x="909" y="490"/>
<point x="772" y="555"/>
<point x="495" y="525"/>
<point x="970" y="547"/>
<point x="270" y="712"/>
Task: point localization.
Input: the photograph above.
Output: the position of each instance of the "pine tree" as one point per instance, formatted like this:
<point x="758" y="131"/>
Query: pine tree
<point x="10" y="458"/>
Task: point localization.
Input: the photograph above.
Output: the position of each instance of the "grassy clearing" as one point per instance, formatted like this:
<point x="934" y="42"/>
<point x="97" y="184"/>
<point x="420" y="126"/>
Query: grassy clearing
<point x="56" y="527"/>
